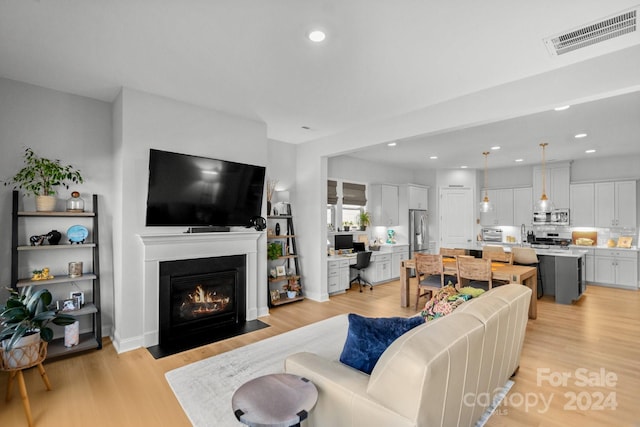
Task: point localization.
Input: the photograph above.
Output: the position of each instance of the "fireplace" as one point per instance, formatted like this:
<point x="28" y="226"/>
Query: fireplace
<point x="201" y="300"/>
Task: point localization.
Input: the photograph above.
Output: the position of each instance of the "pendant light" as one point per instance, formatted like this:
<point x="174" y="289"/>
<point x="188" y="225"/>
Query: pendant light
<point x="485" y="204"/>
<point x="544" y="204"/>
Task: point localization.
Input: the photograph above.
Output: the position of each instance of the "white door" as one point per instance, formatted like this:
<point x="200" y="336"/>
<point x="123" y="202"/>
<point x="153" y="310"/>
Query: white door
<point x="456" y="217"/>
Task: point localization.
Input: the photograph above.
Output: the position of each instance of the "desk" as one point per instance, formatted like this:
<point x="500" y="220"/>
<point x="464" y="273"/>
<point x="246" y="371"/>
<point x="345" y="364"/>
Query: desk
<point x="527" y="276"/>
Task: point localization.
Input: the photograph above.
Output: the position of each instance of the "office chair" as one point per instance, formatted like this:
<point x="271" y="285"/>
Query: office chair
<point x="362" y="262"/>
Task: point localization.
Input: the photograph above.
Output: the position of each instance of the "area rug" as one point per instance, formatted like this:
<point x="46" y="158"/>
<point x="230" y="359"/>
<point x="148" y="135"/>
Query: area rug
<point x="204" y="388"/>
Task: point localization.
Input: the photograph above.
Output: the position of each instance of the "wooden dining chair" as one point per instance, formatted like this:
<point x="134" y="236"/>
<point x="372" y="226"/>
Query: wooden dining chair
<point x="452" y="253"/>
<point x="476" y="270"/>
<point x="431" y="267"/>
<point x="497" y="254"/>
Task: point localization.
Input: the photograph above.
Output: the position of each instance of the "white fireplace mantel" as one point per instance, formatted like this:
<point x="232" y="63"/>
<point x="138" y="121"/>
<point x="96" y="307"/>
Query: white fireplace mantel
<point x="170" y="247"/>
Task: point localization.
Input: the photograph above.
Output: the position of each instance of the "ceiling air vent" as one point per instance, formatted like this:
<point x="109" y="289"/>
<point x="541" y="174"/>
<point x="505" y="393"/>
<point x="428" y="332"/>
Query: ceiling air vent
<point x="596" y="32"/>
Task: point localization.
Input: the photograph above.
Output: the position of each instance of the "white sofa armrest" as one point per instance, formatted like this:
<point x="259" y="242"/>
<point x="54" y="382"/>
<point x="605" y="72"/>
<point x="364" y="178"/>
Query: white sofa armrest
<point x="342" y="394"/>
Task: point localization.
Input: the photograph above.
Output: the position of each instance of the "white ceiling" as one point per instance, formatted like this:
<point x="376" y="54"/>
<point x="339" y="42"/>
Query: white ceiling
<point x="612" y="126"/>
<point x="381" y="59"/>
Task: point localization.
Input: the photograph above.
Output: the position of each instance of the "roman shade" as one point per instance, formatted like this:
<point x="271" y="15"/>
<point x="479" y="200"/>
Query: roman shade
<point x="332" y="192"/>
<point x="354" y="194"/>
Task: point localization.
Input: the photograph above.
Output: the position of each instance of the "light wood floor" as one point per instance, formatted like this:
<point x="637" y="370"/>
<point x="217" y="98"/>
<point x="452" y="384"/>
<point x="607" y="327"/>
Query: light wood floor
<point x="600" y="332"/>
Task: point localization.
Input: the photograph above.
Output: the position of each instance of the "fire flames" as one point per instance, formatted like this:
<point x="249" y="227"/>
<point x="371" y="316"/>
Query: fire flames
<point x="201" y="302"/>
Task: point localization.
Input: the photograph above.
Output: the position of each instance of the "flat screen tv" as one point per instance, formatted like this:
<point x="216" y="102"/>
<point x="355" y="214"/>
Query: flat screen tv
<point x="186" y="190"/>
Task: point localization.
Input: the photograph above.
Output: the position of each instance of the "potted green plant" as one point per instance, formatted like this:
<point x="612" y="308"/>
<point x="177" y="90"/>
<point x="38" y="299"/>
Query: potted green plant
<point x="365" y="220"/>
<point x="24" y="320"/>
<point x="39" y="177"/>
<point x="274" y="250"/>
<point x="346" y="225"/>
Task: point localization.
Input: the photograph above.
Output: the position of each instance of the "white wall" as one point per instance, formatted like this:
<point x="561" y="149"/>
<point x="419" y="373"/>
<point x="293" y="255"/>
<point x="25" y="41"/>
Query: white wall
<point x="76" y="130"/>
<point x="149" y="121"/>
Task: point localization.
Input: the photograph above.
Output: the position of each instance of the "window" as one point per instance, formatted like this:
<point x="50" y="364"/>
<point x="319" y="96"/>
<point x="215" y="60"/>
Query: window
<point x="354" y="200"/>
<point x="351" y="214"/>
<point x="346" y="205"/>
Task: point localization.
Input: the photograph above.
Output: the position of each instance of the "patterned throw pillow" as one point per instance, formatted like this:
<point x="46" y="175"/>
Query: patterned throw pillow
<point x="443" y="302"/>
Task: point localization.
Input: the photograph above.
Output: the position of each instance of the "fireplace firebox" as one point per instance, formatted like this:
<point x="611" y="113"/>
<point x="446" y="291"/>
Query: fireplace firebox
<point x="201" y="299"/>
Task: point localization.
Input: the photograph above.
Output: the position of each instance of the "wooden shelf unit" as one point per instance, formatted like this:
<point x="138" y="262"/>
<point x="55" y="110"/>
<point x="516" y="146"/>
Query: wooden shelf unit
<point x="290" y="260"/>
<point x="88" y="340"/>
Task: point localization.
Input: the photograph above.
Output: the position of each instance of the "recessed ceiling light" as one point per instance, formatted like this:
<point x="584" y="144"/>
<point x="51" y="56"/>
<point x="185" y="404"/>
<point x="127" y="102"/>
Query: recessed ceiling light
<point x="496" y="147"/>
<point x="392" y="144"/>
<point x="562" y="108"/>
<point x="317" y="36"/>
<point x="433" y="157"/>
<point x="464" y="167"/>
<point x="519" y="160"/>
<point x="580" y="135"/>
<point x="590" y="151"/>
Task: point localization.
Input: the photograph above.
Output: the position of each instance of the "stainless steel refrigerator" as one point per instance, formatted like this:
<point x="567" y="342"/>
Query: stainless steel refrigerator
<point x="418" y="231"/>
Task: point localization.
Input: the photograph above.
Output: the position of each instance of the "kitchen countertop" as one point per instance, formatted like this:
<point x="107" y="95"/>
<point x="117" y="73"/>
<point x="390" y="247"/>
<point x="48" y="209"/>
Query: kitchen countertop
<point x="572" y="251"/>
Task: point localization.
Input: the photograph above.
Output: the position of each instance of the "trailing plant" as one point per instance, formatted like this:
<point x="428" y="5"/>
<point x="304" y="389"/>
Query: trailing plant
<point x="40" y="175"/>
<point x="28" y="312"/>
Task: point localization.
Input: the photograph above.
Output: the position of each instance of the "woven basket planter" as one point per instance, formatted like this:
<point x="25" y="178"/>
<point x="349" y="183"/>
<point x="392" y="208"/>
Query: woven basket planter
<point x="26" y="354"/>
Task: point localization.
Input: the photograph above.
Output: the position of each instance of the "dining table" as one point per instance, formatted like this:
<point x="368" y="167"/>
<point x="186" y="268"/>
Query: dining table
<point x="521" y="274"/>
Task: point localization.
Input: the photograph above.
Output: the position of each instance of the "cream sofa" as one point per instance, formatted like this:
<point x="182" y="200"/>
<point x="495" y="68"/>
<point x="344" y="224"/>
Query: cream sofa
<point x="437" y="374"/>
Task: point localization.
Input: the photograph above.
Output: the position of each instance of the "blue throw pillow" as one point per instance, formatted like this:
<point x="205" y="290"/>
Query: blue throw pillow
<point x="368" y="338"/>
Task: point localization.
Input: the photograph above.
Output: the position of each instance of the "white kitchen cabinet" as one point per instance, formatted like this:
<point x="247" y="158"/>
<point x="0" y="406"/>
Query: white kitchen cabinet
<point x="418" y="196"/>
<point x="558" y="176"/>
<point x="615" y="204"/>
<point x="522" y="205"/>
<point x="384" y="204"/>
<point x="338" y="275"/>
<point x="380" y="269"/>
<point x="582" y="205"/>
<point x="590" y="265"/>
<point x="502" y="213"/>
<point x="398" y="254"/>
<point x="616" y="267"/>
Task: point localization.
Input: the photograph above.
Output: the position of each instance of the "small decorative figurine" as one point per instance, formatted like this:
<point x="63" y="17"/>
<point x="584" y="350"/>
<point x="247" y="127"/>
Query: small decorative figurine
<point x="41" y="274"/>
<point x="37" y="240"/>
<point x="54" y="237"/>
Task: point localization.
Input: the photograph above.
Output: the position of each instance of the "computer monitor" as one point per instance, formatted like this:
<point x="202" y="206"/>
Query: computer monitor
<point x="343" y="241"/>
<point x="358" y="247"/>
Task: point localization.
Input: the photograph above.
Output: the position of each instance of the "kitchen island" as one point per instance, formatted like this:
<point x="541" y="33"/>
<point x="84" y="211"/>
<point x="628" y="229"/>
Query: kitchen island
<point x="562" y="269"/>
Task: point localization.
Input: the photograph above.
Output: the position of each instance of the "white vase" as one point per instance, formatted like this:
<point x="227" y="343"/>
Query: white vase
<point x="291" y="294"/>
<point x="45" y="203"/>
<point x="23" y="353"/>
<point x="72" y="334"/>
